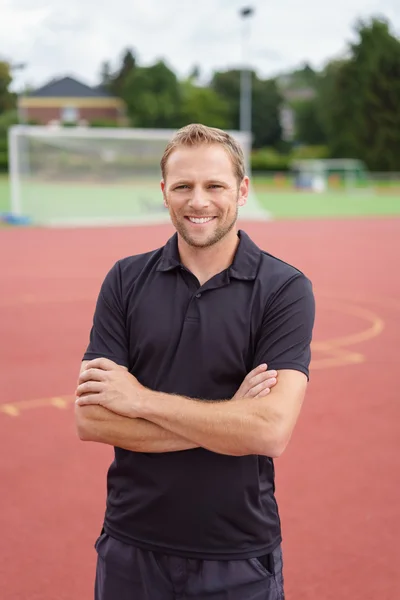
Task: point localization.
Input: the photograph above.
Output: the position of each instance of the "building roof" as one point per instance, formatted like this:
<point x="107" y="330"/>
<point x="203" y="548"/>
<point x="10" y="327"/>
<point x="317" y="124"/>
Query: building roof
<point x="68" y="87"/>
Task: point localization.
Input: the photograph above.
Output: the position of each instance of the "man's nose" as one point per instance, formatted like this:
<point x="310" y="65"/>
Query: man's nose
<point x="198" y="199"/>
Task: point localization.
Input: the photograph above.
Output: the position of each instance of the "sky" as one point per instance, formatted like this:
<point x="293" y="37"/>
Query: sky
<point x="53" y="38"/>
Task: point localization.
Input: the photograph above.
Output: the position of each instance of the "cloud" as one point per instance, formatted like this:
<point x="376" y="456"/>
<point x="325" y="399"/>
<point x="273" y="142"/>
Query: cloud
<point x="58" y="38"/>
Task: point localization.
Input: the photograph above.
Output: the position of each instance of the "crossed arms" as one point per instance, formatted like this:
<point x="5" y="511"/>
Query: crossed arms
<point x="112" y="407"/>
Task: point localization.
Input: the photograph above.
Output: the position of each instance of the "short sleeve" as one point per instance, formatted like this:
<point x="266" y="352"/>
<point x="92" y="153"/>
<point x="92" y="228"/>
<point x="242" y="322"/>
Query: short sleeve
<point x="108" y="335"/>
<point x="286" y="332"/>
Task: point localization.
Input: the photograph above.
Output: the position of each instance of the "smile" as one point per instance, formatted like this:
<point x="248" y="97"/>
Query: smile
<point x="200" y="220"/>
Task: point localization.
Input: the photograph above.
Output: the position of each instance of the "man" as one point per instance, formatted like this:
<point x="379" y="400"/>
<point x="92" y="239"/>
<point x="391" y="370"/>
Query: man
<point x="176" y="379"/>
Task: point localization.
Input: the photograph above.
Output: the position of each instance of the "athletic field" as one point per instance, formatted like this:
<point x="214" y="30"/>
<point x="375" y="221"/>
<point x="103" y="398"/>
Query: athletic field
<point x="337" y="483"/>
<point x="58" y="201"/>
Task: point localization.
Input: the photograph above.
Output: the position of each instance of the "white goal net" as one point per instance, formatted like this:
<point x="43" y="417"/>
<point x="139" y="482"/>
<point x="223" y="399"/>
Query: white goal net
<point x="92" y="176"/>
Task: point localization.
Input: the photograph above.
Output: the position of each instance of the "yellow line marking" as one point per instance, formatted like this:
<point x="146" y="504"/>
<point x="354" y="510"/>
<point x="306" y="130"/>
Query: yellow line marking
<point x="337" y="348"/>
<point x="338" y="358"/>
<point x="14" y="409"/>
<point x="9" y="409"/>
<point x="59" y="402"/>
<point x="376" y="327"/>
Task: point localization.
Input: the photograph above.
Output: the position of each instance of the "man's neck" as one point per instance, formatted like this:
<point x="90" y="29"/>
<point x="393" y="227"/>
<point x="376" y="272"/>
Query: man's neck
<point x="204" y="263"/>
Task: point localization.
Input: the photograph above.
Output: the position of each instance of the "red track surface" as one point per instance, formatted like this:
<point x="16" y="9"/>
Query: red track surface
<point x="338" y="482"/>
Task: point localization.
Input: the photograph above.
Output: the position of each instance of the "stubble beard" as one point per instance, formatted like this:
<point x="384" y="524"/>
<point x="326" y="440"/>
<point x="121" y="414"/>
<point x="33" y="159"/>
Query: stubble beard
<point x="215" y="237"/>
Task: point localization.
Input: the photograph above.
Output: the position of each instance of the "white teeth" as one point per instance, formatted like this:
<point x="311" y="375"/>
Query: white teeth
<point x="202" y="220"/>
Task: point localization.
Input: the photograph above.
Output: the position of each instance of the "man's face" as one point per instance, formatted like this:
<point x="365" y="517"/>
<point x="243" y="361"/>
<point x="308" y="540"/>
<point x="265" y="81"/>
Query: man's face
<point x="202" y="193"/>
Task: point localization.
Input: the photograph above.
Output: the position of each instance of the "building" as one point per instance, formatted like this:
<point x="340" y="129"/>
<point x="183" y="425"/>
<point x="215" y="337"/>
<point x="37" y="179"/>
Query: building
<point x="67" y="100"/>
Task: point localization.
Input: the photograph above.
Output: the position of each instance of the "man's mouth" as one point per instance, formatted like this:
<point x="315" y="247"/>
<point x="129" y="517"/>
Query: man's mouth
<point x="200" y="220"/>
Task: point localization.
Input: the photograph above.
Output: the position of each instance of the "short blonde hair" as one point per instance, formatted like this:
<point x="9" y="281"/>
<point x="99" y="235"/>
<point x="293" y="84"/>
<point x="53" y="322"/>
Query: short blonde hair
<point x="197" y="135"/>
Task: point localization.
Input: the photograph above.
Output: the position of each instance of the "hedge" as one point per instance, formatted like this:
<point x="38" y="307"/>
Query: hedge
<point x="268" y="159"/>
<point x="3" y="161"/>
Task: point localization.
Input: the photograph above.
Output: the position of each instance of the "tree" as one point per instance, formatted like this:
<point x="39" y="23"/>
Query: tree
<point x="227" y="85"/>
<point x="305" y="77"/>
<point x="7" y="98"/>
<point x="203" y="105"/>
<point x="105" y="75"/>
<point x="195" y="73"/>
<point x="118" y="80"/>
<point x="266" y="103"/>
<point x="309" y="128"/>
<point x="152" y="95"/>
<point x="360" y="98"/>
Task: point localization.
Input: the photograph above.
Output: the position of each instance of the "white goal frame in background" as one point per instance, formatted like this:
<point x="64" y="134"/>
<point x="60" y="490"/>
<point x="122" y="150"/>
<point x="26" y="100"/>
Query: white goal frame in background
<point x="20" y="172"/>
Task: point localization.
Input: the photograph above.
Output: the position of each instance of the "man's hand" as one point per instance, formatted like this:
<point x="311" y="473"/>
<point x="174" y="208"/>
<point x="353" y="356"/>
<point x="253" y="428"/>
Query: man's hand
<point x="257" y="383"/>
<point x="105" y="383"/>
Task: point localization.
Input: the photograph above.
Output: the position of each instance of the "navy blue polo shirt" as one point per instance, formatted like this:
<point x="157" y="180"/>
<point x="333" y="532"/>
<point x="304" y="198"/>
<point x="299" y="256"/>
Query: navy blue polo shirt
<point x="175" y="336"/>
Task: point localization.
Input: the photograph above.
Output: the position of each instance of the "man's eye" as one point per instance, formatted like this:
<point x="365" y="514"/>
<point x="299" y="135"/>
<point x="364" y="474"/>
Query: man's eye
<point x="182" y="187"/>
<point x="215" y="186"/>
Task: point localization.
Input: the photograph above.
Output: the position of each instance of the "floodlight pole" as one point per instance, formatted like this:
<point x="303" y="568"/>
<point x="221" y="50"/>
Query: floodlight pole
<point x="245" y="74"/>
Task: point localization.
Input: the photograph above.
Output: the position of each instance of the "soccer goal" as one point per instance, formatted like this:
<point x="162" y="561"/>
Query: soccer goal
<point x="71" y="176"/>
<point x="324" y="175"/>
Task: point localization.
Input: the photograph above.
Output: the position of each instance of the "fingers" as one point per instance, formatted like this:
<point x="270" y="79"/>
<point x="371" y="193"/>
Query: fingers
<point x="89" y="387"/>
<point x="262" y="377"/>
<point x="267" y="384"/>
<point x="263" y="393"/>
<point x="255" y="372"/>
<point x="88" y="399"/>
<point x="91" y="374"/>
<point x="246" y="385"/>
<point x="257" y="380"/>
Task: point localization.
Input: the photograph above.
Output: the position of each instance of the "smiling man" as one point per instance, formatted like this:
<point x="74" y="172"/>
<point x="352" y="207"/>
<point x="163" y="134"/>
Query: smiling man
<point x="206" y="173"/>
<point x="196" y="372"/>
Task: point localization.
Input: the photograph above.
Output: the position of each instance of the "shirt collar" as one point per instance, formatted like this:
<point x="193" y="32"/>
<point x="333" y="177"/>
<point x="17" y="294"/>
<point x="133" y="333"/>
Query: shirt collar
<point x="244" y="265"/>
<point x="247" y="259"/>
<point x="170" y="255"/>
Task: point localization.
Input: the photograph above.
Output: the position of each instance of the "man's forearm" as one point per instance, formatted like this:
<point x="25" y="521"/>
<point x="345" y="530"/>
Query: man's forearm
<point x="235" y="427"/>
<point x="97" y="424"/>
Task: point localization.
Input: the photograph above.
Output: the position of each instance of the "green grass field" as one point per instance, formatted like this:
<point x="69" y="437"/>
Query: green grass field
<point x="62" y="200"/>
<point x="4" y="194"/>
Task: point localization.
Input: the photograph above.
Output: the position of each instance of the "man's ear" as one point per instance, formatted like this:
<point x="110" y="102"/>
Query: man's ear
<point x="162" y="184"/>
<point x="243" y="191"/>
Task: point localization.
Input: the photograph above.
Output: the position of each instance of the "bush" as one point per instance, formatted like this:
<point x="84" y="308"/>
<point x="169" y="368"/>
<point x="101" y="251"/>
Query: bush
<point x="305" y="152"/>
<point x="3" y="161"/>
<point x="6" y="120"/>
<point x="3" y="151"/>
<point x="103" y="123"/>
<point x="268" y="159"/>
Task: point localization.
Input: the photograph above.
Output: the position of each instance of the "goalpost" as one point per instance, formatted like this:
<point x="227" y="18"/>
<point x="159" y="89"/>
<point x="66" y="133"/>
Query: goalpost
<point x="72" y="176"/>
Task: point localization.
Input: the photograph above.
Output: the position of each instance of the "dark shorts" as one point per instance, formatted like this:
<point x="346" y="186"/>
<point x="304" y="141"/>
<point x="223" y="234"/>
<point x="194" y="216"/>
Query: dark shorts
<point x="125" y="572"/>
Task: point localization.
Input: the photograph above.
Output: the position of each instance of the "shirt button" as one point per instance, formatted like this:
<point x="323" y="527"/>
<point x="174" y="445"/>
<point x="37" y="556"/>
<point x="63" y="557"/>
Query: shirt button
<point x="198" y="295"/>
